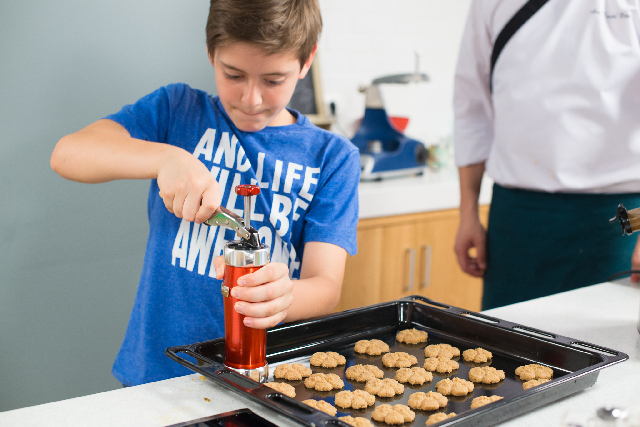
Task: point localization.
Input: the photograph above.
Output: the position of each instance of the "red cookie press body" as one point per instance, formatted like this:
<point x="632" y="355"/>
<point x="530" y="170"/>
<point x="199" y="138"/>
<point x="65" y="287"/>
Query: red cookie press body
<point x="245" y="348"/>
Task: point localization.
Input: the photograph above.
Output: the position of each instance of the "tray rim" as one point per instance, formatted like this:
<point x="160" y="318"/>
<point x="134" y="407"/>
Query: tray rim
<point x="572" y="382"/>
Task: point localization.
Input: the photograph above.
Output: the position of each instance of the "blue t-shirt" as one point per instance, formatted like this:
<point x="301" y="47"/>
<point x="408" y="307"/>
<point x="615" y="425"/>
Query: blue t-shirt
<point x="309" y="193"/>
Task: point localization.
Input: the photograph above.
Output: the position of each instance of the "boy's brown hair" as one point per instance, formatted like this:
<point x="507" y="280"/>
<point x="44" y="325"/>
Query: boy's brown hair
<point x="274" y="25"/>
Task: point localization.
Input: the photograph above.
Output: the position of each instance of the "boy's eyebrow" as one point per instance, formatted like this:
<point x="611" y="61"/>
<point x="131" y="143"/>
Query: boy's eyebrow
<point x="277" y="73"/>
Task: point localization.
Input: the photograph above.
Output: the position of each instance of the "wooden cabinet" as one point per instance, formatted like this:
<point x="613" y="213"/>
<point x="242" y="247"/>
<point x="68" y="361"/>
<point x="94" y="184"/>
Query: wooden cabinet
<point x="406" y="255"/>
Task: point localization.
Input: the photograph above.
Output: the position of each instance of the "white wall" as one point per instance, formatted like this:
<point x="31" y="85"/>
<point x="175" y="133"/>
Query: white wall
<point x="366" y="39"/>
<point x="71" y="254"/>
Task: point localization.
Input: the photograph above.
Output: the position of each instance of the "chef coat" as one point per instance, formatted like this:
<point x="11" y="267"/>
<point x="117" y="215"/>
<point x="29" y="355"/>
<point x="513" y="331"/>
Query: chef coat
<point x="564" y="114"/>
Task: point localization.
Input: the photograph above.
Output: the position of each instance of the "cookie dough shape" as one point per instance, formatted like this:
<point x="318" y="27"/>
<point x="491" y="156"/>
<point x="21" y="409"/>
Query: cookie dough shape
<point x="286" y="389"/>
<point x="384" y="388"/>
<point x="441" y="350"/>
<point x="454" y="387"/>
<point x="486" y="375"/>
<point x="324" y="382"/>
<point x="534" y="372"/>
<point x="430" y="401"/>
<point x="399" y="359"/>
<point x="442" y="365"/>
<point x="483" y="400"/>
<point x="371" y="347"/>
<point x="357" y="399"/>
<point x="532" y="383"/>
<point x="440" y="416"/>
<point x="478" y="355"/>
<point x="363" y="373"/>
<point x="330" y="359"/>
<point x="321" y="405"/>
<point x="356" y="421"/>
<point x="413" y="376"/>
<point x="291" y="372"/>
<point x="393" y="415"/>
<point x="412" y="336"/>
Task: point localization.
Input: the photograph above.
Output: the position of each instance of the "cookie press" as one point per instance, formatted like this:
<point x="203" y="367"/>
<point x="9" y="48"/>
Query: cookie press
<point x="245" y="348"/>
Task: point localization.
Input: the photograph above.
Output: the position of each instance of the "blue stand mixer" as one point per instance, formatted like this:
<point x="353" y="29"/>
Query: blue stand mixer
<point x="384" y="150"/>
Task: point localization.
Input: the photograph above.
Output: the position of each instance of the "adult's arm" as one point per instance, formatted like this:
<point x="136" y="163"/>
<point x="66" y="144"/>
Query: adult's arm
<point x="471" y="233"/>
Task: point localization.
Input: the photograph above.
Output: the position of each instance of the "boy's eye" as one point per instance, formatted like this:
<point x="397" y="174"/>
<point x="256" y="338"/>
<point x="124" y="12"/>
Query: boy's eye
<point x="232" y="76"/>
<point x="275" y="82"/>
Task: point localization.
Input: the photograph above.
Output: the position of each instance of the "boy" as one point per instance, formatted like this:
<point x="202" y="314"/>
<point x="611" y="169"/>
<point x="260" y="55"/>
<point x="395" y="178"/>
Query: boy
<point x="196" y="149"/>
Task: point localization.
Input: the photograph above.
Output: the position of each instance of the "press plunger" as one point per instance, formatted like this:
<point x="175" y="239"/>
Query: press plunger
<point x="245" y="347"/>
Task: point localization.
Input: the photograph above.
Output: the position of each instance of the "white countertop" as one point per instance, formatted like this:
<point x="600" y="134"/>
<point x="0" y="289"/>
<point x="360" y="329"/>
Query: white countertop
<point x="432" y="191"/>
<point x="604" y="314"/>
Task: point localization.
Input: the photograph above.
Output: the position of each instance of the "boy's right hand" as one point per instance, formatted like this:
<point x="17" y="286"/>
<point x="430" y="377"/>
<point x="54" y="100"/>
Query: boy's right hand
<point x="187" y="187"/>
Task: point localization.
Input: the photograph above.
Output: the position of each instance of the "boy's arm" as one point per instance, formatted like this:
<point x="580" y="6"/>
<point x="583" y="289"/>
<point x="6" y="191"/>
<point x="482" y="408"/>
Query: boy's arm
<point x="105" y="151"/>
<point x="269" y="297"/>
<point x="318" y="290"/>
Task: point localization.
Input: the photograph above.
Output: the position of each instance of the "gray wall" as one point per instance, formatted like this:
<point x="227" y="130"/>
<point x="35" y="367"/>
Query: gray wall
<point x="70" y="254"/>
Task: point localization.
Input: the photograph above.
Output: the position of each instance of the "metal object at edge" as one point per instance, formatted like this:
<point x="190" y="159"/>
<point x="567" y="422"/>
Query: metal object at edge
<point x="259" y="375"/>
<point x="224" y="217"/>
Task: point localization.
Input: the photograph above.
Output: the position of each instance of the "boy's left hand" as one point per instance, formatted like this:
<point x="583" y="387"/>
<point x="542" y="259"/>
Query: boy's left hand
<point x="265" y="295"/>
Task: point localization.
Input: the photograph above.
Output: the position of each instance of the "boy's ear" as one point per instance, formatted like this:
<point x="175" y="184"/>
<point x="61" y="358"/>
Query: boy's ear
<point x="307" y="63"/>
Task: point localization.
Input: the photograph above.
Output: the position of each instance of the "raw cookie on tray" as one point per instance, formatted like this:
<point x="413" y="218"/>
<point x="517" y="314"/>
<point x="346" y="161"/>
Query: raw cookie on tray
<point x="430" y="401"/>
<point x="284" y="388"/>
<point x="324" y="382"/>
<point x="357" y="399"/>
<point x="534" y="372"/>
<point x="329" y="359"/>
<point x="486" y="375"/>
<point x="399" y="359"/>
<point x="477" y="355"/>
<point x="441" y="350"/>
<point x="321" y="405"/>
<point x="384" y="388"/>
<point x="532" y="383"/>
<point x="363" y="373"/>
<point x="442" y="365"/>
<point x="440" y="416"/>
<point x="393" y="415"/>
<point x="484" y="400"/>
<point x="356" y="421"/>
<point x="454" y="387"/>
<point x="413" y="376"/>
<point x="291" y="372"/>
<point x="371" y="347"/>
<point x="412" y="336"/>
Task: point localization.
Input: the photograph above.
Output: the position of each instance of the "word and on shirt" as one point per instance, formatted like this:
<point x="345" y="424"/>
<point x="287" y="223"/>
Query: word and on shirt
<point x="194" y="242"/>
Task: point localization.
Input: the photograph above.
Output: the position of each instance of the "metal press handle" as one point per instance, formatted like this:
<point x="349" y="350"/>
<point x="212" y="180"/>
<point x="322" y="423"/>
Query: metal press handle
<point x="412" y="268"/>
<point x="426" y="281"/>
<point x="224" y="217"/>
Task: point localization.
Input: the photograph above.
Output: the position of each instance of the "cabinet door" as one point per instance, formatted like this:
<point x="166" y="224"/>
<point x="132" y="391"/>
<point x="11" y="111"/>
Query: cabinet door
<point x="440" y="276"/>
<point x="442" y="279"/>
<point x="400" y="262"/>
<point x="361" y="284"/>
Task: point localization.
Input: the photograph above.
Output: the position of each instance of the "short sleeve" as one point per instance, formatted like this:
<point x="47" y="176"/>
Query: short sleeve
<point x="333" y="212"/>
<point x="149" y="117"/>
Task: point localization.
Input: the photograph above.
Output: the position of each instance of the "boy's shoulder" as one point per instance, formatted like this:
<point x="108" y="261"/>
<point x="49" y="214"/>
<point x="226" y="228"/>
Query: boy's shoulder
<point x="312" y="131"/>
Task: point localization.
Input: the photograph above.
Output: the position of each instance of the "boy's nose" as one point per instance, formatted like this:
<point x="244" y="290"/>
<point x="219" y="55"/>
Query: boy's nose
<point x="251" y="95"/>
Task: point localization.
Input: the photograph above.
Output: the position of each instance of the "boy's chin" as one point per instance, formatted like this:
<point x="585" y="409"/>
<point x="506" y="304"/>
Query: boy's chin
<point x="250" y="127"/>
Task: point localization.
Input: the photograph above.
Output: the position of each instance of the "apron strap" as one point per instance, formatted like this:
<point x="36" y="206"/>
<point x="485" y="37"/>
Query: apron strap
<point x="514" y="24"/>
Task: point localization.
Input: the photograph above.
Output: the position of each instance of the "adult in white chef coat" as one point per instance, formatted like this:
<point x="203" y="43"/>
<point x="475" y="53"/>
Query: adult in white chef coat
<point x="557" y="127"/>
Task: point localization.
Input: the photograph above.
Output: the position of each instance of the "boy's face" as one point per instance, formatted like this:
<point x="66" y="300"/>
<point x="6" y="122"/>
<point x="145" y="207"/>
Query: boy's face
<point x="254" y="88"/>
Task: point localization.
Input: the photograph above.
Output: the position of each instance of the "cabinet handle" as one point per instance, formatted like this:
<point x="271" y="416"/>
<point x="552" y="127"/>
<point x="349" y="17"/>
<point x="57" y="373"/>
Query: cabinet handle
<point x="426" y="281"/>
<point x="412" y="268"/>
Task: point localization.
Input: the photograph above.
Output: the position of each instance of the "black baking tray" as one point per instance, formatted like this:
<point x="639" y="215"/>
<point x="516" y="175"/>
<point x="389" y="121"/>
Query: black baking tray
<point x="576" y="364"/>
